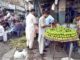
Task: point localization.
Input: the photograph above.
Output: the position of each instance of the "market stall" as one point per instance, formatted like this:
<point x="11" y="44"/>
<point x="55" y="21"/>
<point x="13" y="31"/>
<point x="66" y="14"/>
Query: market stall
<point x="62" y="34"/>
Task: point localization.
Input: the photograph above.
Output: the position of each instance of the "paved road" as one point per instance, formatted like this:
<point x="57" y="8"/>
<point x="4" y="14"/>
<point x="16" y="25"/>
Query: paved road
<point x="34" y="54"/>
<point x="4" y="47"/>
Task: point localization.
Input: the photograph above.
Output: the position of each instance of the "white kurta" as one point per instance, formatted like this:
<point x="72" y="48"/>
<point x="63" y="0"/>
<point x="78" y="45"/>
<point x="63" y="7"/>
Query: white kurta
<point x="3" y="33"/>
<point x="30" y="29"/>
<point x="41" y="35"/>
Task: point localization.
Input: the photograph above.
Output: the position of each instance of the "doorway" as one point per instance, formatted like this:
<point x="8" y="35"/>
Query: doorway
<point x="72" y="10"/>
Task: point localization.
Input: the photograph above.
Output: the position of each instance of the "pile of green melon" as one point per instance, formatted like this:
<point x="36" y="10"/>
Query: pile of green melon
<point x="60" y="33"/>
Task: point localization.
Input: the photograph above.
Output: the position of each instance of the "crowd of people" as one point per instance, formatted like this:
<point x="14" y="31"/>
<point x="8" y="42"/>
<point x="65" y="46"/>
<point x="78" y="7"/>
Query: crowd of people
<point x="34" y="26"/>
<point x="10" y="25"/>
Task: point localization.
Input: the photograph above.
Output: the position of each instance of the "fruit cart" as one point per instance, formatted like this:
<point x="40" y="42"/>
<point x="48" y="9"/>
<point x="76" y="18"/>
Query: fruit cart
<point x="61" y="34"/>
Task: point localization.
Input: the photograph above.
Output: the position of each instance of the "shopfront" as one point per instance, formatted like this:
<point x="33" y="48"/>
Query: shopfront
<point x="68" y="10"/>
<point x="72" y="10"/>
<point x="65" y="10"/>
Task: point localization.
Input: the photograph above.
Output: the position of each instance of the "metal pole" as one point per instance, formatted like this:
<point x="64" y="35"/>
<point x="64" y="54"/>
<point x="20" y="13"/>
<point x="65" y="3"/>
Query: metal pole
<point x="70" y="51"/>
<point x="54" y="51"/>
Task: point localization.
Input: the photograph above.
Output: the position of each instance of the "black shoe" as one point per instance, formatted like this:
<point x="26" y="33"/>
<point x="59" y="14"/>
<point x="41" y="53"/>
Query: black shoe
<point x="1" y="40"/>
<point x="42" y="55"/>
<point x="45" y="50"/>
<point x="47" y="46"/>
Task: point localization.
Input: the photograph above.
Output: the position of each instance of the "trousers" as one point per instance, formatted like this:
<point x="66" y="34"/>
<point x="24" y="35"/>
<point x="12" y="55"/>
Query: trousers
<point x="4" y="37"/>
<point x="41" y="41"/>
<point x="30" y="34"/>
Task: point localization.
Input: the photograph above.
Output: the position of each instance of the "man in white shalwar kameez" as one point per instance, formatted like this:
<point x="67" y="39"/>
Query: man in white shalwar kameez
<point x="30" y="28"/>
<point x="42" y="27"/>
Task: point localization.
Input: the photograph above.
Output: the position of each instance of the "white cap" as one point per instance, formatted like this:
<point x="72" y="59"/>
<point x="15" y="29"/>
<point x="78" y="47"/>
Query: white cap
<point x="56" y="2"/>
<point x="31" y="6"/>
<point x="53" y="6"/>
<point x="28" y="0"/>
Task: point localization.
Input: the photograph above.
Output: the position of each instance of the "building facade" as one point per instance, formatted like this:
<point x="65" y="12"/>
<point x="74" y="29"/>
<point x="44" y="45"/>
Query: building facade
<point x="65" y="11"/>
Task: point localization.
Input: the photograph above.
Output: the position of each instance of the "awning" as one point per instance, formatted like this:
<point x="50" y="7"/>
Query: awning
<point x="10" y="6"/>
<point x="20" y="8"/>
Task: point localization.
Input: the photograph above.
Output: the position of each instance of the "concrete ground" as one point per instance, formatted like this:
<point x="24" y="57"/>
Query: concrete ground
<point x="34" y="54"/>
<point x="4" y="48"/>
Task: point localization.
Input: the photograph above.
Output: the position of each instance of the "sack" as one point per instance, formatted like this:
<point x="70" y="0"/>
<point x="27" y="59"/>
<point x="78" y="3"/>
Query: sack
<point x="21" y="54"/>
<point x="5" y="37"/>
<point x="18" y="55"/>
<point x="24" y="53"/>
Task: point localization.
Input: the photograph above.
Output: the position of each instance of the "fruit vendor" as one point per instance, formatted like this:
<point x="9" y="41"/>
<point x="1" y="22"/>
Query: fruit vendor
<point x="42" y="27"/>
<point x="78" y="25"/>
<point x="75" y="44"/>
<point x="30" y="28"/>
<point x="49" y="20"/>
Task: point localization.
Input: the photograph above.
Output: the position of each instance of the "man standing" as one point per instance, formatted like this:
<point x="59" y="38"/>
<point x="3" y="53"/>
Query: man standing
<point x="42" y="27"/>
<point x="49" y="20"/>
<point x="30" y="28"/>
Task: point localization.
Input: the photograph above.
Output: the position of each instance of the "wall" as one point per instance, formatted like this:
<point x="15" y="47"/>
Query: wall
<point x="62" y="7"/>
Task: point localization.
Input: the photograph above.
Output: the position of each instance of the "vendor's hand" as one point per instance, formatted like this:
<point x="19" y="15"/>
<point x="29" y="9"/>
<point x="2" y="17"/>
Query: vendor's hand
<point x="46" y="26"/>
